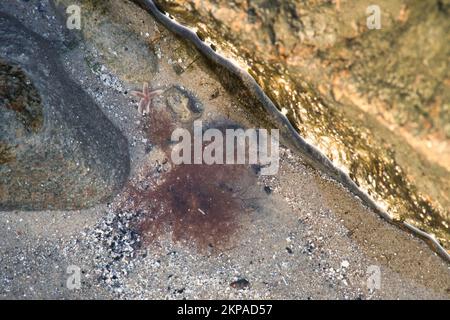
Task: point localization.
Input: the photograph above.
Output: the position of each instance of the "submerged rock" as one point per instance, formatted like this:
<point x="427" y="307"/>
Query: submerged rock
<point x="57" y="149"/>
<point x="183" y="103"/>
<point x="375" y="102"/>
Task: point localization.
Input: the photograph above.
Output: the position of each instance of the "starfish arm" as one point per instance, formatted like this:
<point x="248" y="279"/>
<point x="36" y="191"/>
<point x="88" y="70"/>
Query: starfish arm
<point x="141" y="107"/>
<point x="147" y="107"/>
<point x="145" y="89"/>
<point x="156" y="92"/>
<point x="137" y="94"/>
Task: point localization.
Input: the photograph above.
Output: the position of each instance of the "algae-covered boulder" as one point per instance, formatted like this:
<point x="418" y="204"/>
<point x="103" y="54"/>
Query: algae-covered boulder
<point x="57" y="149"/>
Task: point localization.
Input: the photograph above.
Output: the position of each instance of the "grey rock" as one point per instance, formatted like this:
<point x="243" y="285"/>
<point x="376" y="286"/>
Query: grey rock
<point x="183" y="103"/>
<point x="57" y="149"/>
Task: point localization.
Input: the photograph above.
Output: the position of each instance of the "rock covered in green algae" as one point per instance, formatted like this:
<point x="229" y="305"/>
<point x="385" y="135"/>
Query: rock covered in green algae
<point x="57" y="150"/>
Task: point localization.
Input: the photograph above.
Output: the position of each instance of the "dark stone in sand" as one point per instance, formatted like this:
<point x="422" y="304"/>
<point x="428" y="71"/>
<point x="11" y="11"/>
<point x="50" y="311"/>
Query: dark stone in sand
<point x="240" y="284"/>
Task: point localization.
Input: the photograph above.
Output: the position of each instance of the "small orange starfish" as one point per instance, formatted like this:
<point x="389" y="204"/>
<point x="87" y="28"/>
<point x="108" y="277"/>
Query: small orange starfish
<point x="146" y="98"/>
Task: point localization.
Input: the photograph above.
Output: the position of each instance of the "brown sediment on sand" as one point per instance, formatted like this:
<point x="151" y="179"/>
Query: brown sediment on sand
<point x="198" y="204"/>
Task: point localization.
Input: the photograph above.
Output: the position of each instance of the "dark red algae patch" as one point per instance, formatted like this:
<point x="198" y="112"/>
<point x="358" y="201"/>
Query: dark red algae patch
<point x="159" y="127"/>
<point x="199" y="204"/>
